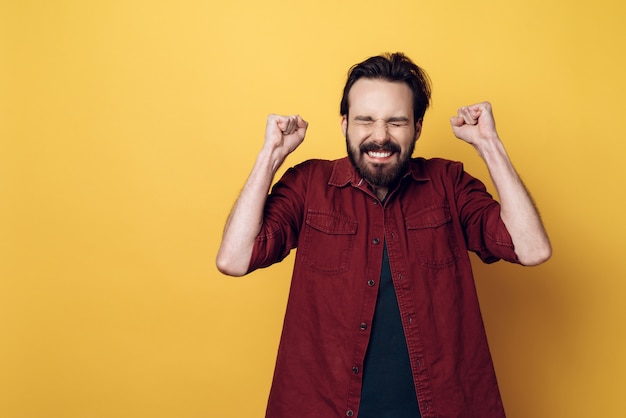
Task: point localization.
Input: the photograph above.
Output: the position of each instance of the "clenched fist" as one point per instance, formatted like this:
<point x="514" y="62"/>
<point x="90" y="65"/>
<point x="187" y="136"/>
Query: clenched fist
<point x="285" y="133"/>
<point x="475" y="124"/>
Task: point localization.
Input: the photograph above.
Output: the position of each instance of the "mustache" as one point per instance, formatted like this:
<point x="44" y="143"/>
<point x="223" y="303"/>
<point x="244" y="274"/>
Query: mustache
<point x="388" y="146"/>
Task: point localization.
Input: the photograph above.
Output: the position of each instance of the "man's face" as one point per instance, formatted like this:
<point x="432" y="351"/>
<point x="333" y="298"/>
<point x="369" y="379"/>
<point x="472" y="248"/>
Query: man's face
<point x="379" y="129"/>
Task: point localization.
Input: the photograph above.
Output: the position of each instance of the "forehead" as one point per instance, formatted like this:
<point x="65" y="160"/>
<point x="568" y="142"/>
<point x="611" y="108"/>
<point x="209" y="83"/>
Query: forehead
<point x="382" y="98"/>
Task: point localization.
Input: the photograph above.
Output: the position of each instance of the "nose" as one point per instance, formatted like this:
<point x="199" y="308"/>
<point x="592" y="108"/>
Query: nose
<point x="380" y="133"/>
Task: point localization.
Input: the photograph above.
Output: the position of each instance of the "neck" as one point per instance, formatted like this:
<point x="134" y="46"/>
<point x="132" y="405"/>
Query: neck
<point x="381" y="192"/>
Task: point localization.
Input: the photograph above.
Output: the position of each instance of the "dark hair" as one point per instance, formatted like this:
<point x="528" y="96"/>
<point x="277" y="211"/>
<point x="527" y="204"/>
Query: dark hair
<point x="391" y="67"/>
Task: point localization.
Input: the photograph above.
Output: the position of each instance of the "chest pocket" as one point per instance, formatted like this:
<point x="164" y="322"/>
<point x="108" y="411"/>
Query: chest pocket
<point x="328" y="241"/>
<point x="432" y="235"/>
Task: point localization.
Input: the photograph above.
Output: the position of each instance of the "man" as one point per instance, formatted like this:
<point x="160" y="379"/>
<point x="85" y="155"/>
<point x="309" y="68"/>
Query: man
<point x="383" y="317"/>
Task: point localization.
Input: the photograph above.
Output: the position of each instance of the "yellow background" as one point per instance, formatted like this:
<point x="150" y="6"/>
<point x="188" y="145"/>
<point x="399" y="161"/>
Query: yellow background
<point x="128" y="127"/>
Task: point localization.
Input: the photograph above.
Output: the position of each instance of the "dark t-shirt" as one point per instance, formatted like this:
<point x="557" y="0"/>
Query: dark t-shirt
<point x="388" y="388"/>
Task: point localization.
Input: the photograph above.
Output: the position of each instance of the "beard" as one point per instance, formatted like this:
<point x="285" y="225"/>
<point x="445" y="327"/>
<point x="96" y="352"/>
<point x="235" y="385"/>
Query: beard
<point x="380" y="175"/>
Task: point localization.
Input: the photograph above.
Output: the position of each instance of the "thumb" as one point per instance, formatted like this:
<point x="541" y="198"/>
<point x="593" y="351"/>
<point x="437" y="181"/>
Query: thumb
<point x="301" y="123"/>
<point x="457" y="121"/>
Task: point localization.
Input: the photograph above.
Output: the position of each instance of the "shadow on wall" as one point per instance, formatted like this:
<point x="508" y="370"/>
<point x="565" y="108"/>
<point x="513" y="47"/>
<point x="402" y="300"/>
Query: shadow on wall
<point x="532" y="316"/>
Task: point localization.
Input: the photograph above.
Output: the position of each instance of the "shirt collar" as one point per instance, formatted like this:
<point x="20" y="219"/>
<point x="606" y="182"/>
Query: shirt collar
<point x="344" y="172"/>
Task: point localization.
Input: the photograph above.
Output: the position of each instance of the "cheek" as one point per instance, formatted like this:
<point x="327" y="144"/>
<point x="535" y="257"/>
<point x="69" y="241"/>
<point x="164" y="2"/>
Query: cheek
<point x="359" y="133"/>
<point x="353" y="145"/>
<point x="405" y="138"/>
<point x="356" y="135"/>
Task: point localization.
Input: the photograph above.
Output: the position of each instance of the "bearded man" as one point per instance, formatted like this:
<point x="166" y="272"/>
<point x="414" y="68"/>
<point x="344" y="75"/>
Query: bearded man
<point x="383" y="318"/>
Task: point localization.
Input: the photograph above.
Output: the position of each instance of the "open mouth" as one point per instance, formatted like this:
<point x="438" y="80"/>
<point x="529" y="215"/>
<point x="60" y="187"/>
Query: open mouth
<point x="379" y="154"/>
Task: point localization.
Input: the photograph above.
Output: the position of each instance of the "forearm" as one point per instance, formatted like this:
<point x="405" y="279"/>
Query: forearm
<point x="283" y="134"/>
<point x="246" y="218"/>
<point x="518" y="211"/>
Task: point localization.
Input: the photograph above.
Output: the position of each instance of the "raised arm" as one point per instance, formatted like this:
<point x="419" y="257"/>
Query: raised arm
<point x="475" y="125"/>
<point x="283" y="134"/>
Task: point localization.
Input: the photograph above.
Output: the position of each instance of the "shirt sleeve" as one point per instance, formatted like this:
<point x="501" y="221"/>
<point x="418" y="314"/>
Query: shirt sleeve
<point x="282" y="219"/>
<point x="485" y="232"/>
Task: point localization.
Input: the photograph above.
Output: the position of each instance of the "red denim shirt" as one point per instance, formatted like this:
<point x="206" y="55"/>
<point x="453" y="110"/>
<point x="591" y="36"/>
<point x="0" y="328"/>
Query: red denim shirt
<point x="429" y="222"/>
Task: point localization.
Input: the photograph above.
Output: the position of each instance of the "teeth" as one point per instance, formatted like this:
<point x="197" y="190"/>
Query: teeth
<point x="379" y="154"/>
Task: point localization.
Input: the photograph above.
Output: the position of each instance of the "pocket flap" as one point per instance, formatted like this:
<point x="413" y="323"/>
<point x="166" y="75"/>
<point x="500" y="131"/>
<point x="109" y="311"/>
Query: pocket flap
<point x="331" y="223"/>
<point x="430" y="217"/>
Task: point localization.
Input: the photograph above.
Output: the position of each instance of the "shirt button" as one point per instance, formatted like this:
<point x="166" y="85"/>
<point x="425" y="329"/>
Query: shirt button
<point x="355" y="370"/>
<point x="376" y="241"/>
<point x="349" y="413"/>
<point x="371" y="283"/>
<point x="363" y="326"/>
<point x="375" y="202"/>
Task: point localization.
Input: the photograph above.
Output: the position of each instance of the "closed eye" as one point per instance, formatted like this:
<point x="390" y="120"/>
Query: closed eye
<point x="363" y="120"/>
<point x="401" y="121"/>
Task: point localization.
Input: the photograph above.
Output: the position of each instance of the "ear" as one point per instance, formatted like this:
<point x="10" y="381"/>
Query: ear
<point x="418" y="128"/>
<point x="344" y="124"/>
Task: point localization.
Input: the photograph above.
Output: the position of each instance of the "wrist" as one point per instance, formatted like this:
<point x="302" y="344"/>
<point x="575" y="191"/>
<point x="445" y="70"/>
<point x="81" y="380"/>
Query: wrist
<point x="270" y="158"/>
<point x="490" y="147"/>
